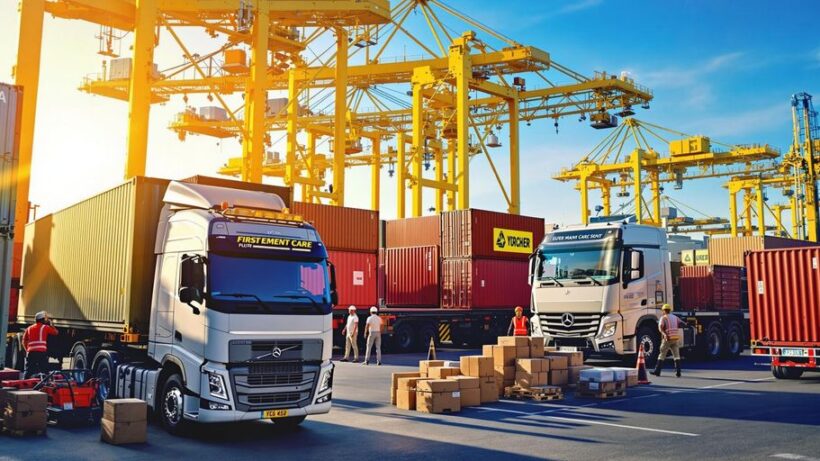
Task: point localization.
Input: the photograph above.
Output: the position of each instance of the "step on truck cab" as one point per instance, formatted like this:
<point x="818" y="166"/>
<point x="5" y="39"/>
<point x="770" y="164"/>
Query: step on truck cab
<point x="239" y="297"/>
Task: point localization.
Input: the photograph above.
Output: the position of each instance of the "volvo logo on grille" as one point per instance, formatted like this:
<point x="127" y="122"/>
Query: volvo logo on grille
<point x="567" y="320"/>
<point x="275" y="353"/>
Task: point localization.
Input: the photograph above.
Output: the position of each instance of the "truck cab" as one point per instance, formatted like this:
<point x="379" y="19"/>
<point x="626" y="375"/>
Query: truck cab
<point x="600" y="287"/>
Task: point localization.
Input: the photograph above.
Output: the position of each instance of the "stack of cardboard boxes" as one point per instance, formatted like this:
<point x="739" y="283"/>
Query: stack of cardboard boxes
<point x="124" y="421"/>
<point x="531" y="372"/>
<point x="24" y="411"/>
<point x="602" y="383"/>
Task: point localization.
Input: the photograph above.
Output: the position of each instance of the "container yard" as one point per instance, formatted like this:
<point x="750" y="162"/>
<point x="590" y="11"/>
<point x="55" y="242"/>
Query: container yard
<point x="409" y="229"/>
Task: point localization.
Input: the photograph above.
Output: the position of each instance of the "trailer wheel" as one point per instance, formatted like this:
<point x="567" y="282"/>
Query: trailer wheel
<point x="734" y="341"/>
<point x="104" y="372"/>
<point x="172" y="405"/>
<point x="650" y="338"/>
<point x="714" y="341"/>
<point x="404" y="337"/>
<point x="426" y="333"/>
<point x="791" y="372"/>
<point x="777" y="372"/>
<point x="79" y="357"/>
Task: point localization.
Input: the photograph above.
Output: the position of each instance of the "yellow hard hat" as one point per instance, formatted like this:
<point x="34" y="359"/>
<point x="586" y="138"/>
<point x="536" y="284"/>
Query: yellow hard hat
<point x="666" y="308"/>
<point x="519" y="309"/>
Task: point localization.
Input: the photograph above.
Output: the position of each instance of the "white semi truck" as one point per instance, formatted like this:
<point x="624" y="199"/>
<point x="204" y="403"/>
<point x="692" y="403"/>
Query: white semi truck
<point x="212" y="304"/>
<point x="600" y="288"/>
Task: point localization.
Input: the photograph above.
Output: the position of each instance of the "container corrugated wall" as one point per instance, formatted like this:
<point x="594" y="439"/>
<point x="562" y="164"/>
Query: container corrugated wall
<point x="285" y="193"/>
<point x="413" y="232"/>
<point x="711" y="288"/>
<point x="484" y="284"/>
<point x="471" y="233"/>
<point x="10" y="105"/>
<point x="356" y="280"/>
<point x="342" y="228"/>
<point x="784" y="296"/>
<point x="695" y="288"/>
<point x="731" y="251"/>
<point x="412" y="276"/>
<point x="91" y="265"/>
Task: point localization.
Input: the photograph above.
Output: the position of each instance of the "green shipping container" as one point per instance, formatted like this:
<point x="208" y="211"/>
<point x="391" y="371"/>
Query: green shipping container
<point x="91" y="265"/>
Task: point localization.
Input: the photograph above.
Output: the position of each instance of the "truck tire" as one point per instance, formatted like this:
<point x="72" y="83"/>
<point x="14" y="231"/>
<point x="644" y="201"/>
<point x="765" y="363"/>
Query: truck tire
<point x="791" y="372"/>
<point x="650" y="338"/>
<point x="171" y="407"/>
<point x="288" y="423"/>
<point x="427" y="332"/>
<point x="404" y="337"/>
<point x="734" y="341"/>
<point x="104" y="372"/>
<point x="79" y="357"/>
<point x="715" y="343"/>
<point x="777" y="372"/>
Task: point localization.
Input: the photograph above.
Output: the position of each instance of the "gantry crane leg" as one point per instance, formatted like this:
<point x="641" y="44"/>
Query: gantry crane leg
<point x="139" y="96"/>
<point x="340" y="118"/>
<point x="253" y="141"/>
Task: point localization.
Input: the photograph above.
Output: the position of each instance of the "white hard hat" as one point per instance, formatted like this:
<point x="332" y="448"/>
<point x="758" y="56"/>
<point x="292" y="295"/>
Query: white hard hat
<point x="373" y="310"/>
<point x="352" y="308"/>
<point x="40" y="315"/>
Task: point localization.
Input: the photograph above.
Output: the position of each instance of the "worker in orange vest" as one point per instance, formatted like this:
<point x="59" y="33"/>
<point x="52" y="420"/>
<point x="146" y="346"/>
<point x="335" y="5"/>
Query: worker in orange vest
<point x="520" y="325"/>
<point x="671" y="337"/>
<point x="35" y="341"/>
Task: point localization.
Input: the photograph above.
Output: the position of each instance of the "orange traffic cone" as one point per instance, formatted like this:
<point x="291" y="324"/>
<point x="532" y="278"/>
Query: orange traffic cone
<point x="643" y="378"/>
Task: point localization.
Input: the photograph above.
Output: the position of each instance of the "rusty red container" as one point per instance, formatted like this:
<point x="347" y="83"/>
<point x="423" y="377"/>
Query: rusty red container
<point x="784" y="296"/>
<point x="412" y="276"/>
<point x="468" y="283"/>
<point x="711" y="288"/>
<point x="356" y="278"/>
<point x="342" y="228"/>
<point x="413" y="232"/>
<point x="488" y="234"/>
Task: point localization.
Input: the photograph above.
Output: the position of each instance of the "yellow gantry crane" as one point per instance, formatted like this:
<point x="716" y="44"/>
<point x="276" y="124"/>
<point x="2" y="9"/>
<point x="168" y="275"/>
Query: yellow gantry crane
<point x="626" y="161"/>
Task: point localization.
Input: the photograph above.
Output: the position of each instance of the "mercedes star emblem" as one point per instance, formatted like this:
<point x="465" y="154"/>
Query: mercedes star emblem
<point x="276" y="353"/>
<point x="567" y="319"/>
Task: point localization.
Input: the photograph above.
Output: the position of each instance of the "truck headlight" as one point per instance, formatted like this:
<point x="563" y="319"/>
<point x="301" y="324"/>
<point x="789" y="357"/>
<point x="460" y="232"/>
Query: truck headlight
<point x="216" y="385"/>
<point x="609" y="329"/>
<point x="327" y="381"/>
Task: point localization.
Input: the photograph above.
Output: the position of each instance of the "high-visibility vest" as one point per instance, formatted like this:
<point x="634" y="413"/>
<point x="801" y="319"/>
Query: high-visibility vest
<point x="35" y="339"/>
<point x="520" y="326"/>
<point x="671" y="326"/>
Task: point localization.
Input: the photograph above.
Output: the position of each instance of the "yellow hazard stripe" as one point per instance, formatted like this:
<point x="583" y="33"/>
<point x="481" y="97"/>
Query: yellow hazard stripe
<point x="444" y="332"/>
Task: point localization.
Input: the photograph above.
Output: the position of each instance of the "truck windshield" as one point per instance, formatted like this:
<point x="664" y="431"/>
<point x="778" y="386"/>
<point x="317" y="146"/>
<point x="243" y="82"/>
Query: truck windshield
<point x="584" y="264"/>
<point x="268" y="286"/>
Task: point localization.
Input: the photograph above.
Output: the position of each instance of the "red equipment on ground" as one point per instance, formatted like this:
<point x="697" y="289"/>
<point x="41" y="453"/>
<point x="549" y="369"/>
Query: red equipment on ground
<point x="72" y="395"/>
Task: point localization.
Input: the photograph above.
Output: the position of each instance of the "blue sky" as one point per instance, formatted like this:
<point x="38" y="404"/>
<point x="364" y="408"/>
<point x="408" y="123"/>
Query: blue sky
<point x="725" y="69"/>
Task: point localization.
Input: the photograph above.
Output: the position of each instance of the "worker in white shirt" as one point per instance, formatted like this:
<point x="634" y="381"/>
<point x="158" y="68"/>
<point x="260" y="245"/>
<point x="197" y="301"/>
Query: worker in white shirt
<point x="373" y="333"/>
<point x="351" y="332"/>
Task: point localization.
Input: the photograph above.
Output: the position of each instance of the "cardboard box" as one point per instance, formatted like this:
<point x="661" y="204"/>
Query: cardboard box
<point x="574" y="373"/>
<point x="470" y="397"/>
<point x="25" y="410"/>
<point x="489" y="390"/>
<point x="438" y="402"/>
<point x="631" y="375"/>
<point x="477" y="365"/>
<point x="517" y="341"/>
<point x="424" y="365"/>
<point x="548" y="349"/>
<point x="536" y="346"/>
<point x="596" y="375"/>
<point x="557" y="362"/>
<point x="125" y="410"/>
<point x="397" y="376"/>
<point x="466" y="382"/>
<point x="504" y="356"/>
<point x="527" y="380"/>
<point x="522" y="352"/>
<point x="487" y="350"/>
<point x="574" y="359"/>
<point x="406" y="399"/>
<point x="442" y="372"/>
<point x="596" y="387"/>
<point x="558" y="377"/>
<point x="532" y="365"/>
<point x="409" y="384"/>
<point x="121" y="433"/>
<point x="437" y="385"/>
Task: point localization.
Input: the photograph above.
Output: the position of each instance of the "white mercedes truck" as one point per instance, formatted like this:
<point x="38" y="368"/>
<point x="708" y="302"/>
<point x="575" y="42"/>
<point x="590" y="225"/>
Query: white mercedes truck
<point x="212" y="304"/>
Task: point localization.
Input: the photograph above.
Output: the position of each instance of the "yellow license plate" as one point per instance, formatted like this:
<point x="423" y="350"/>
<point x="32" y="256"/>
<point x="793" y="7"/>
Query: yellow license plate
<point x="275" y="414"/>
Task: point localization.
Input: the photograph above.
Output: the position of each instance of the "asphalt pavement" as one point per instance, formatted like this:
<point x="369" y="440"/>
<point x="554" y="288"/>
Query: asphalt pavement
<point x="719" y="410"/>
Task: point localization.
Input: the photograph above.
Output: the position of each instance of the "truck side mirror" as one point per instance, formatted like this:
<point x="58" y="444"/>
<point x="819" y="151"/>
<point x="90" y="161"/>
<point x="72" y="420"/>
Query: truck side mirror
<point x="633" y="266"/>
<point x="533" y="260"/>
<point x="334" y="295"/>
<point x="192" y="281"/>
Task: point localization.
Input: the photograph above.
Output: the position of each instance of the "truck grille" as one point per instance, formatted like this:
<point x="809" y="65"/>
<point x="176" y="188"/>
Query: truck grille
<point x="267" y="346"/>
<point x="584" y="325"/>
<point x="283" y="398"/>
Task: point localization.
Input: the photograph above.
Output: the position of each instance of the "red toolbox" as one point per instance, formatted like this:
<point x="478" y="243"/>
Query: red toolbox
<point x="9" y="374"/>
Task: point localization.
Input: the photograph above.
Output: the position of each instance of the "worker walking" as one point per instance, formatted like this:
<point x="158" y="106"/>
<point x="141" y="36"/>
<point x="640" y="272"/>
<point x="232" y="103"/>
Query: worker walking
<point x="671" y="337"/>
<point x="35" y="341"/>
<point x="520" y="325"/>
<point x="373" y="334"/>
<point x="351" y="332"/>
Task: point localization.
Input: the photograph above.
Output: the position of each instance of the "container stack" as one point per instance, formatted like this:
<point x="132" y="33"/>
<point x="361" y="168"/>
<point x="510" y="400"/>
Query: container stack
<point x="411" y="260"/>
<point x="731" y="251"/>
<point x="351" y="236"/>
<point x="712" y="288"/>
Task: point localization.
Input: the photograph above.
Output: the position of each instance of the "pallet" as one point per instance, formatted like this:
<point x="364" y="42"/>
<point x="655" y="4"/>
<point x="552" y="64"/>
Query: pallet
<point x="19" y="433"/>
<point x="539" y="394"/>
<point x="600" y="395"/>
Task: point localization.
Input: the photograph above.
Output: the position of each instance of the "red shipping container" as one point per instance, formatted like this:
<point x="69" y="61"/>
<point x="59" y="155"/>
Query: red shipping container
<point x="484" y="284"/>
<point x="355" y="278"/>
<point x="711" y="288"/>
<point x="413" y="232"/>
<point x="412" y="276"/>
<point x="488" y="234"/>
<point x="784" y="296"/>
<point x="342" y="228"/>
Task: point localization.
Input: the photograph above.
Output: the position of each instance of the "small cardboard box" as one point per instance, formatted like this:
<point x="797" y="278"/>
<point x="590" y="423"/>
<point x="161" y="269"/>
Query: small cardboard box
<point x="25" y="410"/>
<point x="470" y="397"/>
<point x="397" y="376"/>
<point x="597" y="375"/>
<point x="596" y="387"/>
<point x="557" y="362"/>
<point x="406" y="399"/>
<point x="125" y="410"/>
<point x="631" y="375"/>
<point x="574" y="373"/>
<point x="438" y="402"/>
<point x="424" y="365"/>
<point x="489" y="390"/>
<point x="487" y="350"/>
<point x="536" y="346"/>
<point x="527" y="380"/>
<point x="504" y="356"/>
<point x="558" y="377"/>
<point x="409" y="384"/>
<point x="437" y="385"/>
<point x="121" y="433"/>
<point x="522" y="352"/>
<point x="466" y="382"/>
<point x="532" y="365"/>
<point x="442" y="372"/>
<point x="548" y="349"/>
<point x="517" y="341"/>
<point x="477" y="365"/>
<point x="574" y="359"/>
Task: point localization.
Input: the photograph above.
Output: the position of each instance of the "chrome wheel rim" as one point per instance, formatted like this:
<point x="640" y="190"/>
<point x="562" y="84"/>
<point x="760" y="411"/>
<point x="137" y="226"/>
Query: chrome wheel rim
<point x="172" y="405"/>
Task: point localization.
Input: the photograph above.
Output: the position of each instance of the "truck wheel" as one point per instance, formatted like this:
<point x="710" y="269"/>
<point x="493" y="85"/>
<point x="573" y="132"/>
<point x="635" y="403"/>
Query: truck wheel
<point x="734" y="341"/>
<point x="172" y="407"/>
<point x="404" y="337"/>
<point x="288" y="423"/>
<point x="104" y="372"/>
<point x="79" y="357"/>
<point x="650" y="338"/>
<point x="426" y="333"/>
<point x="714" y="341"/>
<point x="792" y="373"/>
